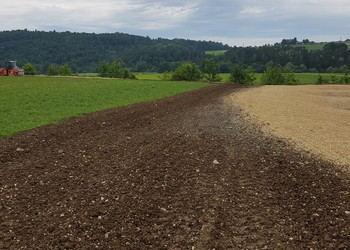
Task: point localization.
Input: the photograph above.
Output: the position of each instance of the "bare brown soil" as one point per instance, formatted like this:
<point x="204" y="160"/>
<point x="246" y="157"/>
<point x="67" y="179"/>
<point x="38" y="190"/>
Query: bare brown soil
<point x="186" y="172"/>
<point x="316" y="118"/>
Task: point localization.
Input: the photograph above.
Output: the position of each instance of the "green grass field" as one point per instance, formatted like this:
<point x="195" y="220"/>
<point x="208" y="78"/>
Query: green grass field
<point x="304" y="78"/>
<point x="317" y="46"/>
<point x="29" y="102"/>
<point x="215" y="52"/>
<point x="148" y="76"/>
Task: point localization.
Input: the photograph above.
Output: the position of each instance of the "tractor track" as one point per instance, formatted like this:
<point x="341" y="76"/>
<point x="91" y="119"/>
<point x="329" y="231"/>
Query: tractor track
<point x="185" y="172"/>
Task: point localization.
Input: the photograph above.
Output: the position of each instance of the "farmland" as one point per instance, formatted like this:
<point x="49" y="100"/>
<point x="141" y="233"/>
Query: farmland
<point x="30" y="102"/>
<point x="185" y="172"/>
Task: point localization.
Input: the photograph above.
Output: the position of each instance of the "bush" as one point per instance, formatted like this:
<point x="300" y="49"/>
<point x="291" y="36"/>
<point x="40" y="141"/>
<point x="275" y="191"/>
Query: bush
<point x="313" y="70"/>
<point x="29" y="69"/>
<point x="103" y="69"/>
<point x="166" y="76"/>
<point x="321" y="80"/>
<point x="52" y="70"/>
<point x="276" y="75"/>
<point x="65" y="70"/>
<point x="211" y="70"/>
<point x="115" y="69"/>
<point x="187" y="72"/>
<point x="241" y="75"/>
<point x="345" y="79"/>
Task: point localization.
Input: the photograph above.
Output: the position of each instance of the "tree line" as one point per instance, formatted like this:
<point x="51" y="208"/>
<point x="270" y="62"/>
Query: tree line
<point x="85" y="51"/>
<point x="334" y="57"/>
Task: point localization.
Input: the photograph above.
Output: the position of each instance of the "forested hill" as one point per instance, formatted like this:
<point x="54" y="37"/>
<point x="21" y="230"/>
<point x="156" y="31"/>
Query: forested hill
<point x="84" y="51"/>
<point x="331" y="57"/>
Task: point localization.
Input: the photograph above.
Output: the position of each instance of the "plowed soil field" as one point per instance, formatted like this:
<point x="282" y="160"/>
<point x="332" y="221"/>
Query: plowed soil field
<point x="185" y="172"/>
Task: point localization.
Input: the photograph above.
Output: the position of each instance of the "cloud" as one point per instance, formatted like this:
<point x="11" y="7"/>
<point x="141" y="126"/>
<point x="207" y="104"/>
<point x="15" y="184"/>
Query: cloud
<point x="118" y="14"/>
<point x="253" y="20"/>
<point x="252" y="10"/>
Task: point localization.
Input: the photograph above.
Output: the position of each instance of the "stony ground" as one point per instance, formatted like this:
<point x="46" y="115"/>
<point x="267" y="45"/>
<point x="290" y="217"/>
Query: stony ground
<point x="186" y="172"/>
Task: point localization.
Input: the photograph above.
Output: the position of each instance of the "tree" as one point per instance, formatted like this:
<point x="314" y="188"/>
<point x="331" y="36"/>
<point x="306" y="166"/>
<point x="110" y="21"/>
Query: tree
<point x="290" y="67"/>
<point x="65" y="70"/>
<point x="115" y="69"/>
<point x="241" y="75"/>
<point x="187" y="72"/>
<point x="276" y="75"/>
<point x="103" y="69"/>
<point x="29" y="69"/>
<point x="212" y="70"/>
<point x="52" y="70"/>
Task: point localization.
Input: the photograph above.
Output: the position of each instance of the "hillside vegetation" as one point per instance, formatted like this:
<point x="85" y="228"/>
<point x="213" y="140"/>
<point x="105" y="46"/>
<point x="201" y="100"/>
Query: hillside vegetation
<point x="84" y="52"/>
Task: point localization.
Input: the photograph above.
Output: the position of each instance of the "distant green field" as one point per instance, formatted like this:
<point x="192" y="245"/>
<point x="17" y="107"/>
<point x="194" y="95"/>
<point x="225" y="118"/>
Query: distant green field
<point x="215" y="52"/>
<point x="29" y="102"/>
<point x="304" y="78"/>
<point x="316" y="46"/>
<point x="148" y="76"/>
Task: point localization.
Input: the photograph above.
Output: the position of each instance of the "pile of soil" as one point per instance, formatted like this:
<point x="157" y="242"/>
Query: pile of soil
<point x="185" y="172"/>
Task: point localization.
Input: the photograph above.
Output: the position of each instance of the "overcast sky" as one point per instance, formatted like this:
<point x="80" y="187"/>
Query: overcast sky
<point x="235" y="22"/>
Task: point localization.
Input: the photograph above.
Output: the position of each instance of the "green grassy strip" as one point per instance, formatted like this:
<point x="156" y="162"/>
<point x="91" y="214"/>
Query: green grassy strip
<point x="215" y="52"/>
<point x="29" y="102"/>
<point x="304" y="78"/>
<point x="148" y="76"/>
<point x="317" y="46"/>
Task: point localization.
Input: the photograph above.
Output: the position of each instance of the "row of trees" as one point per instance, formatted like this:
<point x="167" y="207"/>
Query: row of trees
<point x="273" y="75"/>
<point x="334" y="57"/>
<point x="191" y="72"/>
<point x="53" y="70"/>
<point x="188" y="71"/>
<point x="63" y="70"/>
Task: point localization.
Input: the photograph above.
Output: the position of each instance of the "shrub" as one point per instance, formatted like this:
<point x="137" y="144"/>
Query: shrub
<point x="52" y="70"/>
<point x="29" y="69"/>
<point x="322" y="80"/>
<point x="313" y="70"/>
<point x="241" y="75"/>
<point x="187" y="72"/>
<point x="65" y="70"/>
<point x="276" y="75"/>
<point x="103" y="69"/>
<point x="211" y="70"/>
<point x="166" y="76"/>
<point x="345" y="79"/>
<point x="115" y="69"/>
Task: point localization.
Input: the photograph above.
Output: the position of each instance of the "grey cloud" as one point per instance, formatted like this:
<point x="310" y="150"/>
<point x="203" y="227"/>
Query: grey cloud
<point x="253" y="20"/>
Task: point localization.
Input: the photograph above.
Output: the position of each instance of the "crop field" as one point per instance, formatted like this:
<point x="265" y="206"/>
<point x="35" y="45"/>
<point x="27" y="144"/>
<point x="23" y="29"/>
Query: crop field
<point x="192" y="171"/>
<point x="29" y="102"/>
